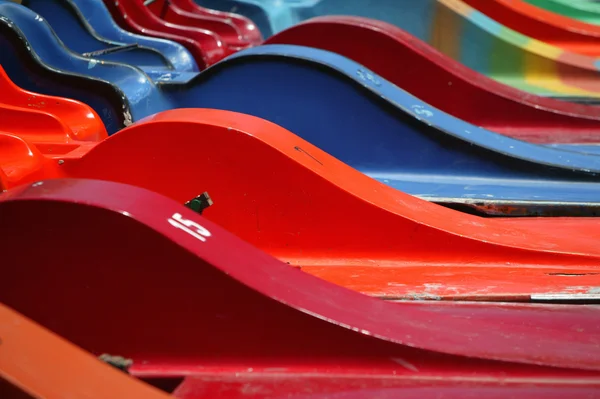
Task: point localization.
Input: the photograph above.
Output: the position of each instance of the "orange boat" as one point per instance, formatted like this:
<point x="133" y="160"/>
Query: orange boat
<point x="36" y="363"/>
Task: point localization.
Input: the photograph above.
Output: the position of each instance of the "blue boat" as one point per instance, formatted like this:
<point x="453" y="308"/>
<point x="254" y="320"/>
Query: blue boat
<point x="87" y="27"/>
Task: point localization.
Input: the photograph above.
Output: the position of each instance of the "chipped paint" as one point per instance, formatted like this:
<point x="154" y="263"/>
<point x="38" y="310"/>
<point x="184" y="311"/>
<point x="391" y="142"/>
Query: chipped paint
<point x="406" y="364"/>
<point x="421" y="110"/>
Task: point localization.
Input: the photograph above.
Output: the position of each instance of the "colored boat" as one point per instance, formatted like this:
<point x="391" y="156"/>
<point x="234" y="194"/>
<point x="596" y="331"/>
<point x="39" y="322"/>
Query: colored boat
<point x="456" y="163"/>
<point x="385" y="251"/>
<point x="583" y="11"/>
<point x="469" y="37"/>
<point x="300" y="334"/>
<point x="294" y="273"/>
<point x="208" y="47"/>
<point x="234" y="29"/>
<point x="270" y="17"/>
<point x="450" y="86"/>
<point x="36" y="362"/>
<point x="27" y="114"/>
<point x="538" y="23"/>
<point x="91" y="31"/>
<point x="246" y="26"/>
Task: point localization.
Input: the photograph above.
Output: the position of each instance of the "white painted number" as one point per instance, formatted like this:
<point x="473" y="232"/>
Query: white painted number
<point x="189" y="226"/>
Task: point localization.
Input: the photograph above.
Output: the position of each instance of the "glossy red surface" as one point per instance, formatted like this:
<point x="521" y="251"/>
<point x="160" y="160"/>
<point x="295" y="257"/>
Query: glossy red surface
<point x="169" y="12"/>
<point x="248" y="29"/>
<point x="140" y="276"/>
<point x="206" y="47"/>
<point x="34" y="124"/>
<point x="303" y="206"/>
<point x="560" y="31"/>
<point x="35" y="362"/>
<point x="446" y="84"/>
<point x="39" y="115"/>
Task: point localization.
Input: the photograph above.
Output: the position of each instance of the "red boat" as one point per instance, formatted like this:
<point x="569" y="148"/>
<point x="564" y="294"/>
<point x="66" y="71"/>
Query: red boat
<point x="450" y="86"/>
<point x="177" y="301"/>
<point x="41" y="118"/>
<point x="182" y="153"/>
<point x="538" y="23"/>
<point x="188" y="13"/>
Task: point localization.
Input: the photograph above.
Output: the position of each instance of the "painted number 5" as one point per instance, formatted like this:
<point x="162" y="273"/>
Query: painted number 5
<point x="189" y="226"/>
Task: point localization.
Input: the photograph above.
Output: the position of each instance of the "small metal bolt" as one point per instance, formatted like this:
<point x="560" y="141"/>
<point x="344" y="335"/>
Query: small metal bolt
<point x="61" y="161"/>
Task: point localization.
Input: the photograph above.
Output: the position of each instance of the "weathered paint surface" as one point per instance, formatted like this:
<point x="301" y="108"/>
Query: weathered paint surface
<point x="298" y="203"/>
<point x="227" y="316"/>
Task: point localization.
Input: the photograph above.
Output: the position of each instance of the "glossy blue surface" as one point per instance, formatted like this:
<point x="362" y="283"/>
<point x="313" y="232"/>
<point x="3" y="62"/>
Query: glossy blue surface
<point x="346" y="110"/>
<point x="86" y="25"/>
<point x="591" y="149"/>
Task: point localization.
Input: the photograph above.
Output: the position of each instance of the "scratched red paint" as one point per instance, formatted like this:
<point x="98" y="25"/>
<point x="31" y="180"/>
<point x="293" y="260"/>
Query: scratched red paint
<point x="309" y="209"/>
<point x="219" y="313"/>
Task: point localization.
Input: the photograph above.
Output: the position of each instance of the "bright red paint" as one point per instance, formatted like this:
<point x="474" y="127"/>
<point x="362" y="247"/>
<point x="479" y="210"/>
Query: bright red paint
<point x="292" y="200"/>
<point x="558" y="30"/>
<point x="248" y="29"/>
<point x="50" y="125"/>
<point x="169" y="12"/>
<point x="206" y="47"/>
<point x="235" y="30"/>
<point x="114" y="275"/>
<point x="446" y="84"/>
<point x="43" y="118"/>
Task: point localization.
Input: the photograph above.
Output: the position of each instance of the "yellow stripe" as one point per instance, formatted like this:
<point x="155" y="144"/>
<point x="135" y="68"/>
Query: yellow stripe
<point x="457" y="5"/>
<point x="543" y="49"/>
<point x="445" y="35"/>
<point x="540" y="65"/>
<point x="542" y="72"/>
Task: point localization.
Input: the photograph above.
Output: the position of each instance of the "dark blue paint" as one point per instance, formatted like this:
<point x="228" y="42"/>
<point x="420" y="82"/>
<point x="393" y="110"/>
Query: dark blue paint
<point x="86" y="25"/>
<point x="26" y="75"/>
<point x="141" y="95"/>
<point x="352" y="114"/>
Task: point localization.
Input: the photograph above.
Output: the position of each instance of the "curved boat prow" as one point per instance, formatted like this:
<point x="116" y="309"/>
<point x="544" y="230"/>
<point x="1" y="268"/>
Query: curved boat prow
<point x="182" y="153"/>
<point x="112" y="268"/>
